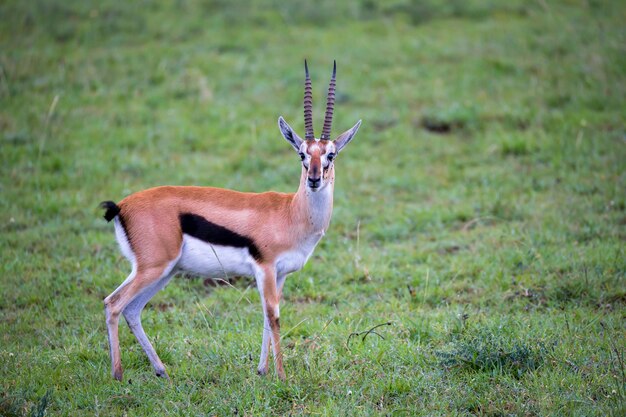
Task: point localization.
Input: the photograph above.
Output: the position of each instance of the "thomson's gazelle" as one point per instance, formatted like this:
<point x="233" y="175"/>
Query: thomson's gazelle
<point x="214" y="232"/>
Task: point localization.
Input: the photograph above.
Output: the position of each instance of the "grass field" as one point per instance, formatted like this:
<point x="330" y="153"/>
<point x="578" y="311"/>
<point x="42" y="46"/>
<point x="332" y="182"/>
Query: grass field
<point x="480" y="211"/>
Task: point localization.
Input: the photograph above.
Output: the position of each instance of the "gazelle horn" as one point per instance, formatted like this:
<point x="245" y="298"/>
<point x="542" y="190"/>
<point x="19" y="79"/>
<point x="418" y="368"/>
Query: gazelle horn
<point x="330" y="104"/>
<point x="308" y="106"/>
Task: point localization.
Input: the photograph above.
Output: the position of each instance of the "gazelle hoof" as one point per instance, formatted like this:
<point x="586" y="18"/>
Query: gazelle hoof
<point x="118" y="374"/>
<point x="162" y="374"/>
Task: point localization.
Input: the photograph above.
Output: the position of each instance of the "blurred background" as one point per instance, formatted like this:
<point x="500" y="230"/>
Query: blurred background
<point x="480" y="209"/>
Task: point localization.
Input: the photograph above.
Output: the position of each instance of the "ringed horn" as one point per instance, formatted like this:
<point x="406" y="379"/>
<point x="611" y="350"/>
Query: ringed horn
<point x="308" y="105"/>
<point x="330" y="104"/>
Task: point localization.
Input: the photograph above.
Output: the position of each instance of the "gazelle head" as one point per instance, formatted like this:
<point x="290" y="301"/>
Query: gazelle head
<point x="317" y="154"/>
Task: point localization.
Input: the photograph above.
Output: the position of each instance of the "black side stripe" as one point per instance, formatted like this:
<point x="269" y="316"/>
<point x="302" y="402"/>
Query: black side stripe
<point x="201" y="228"/>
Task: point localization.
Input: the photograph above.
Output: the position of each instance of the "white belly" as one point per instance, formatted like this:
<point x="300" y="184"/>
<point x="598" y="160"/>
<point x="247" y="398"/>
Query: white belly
<point x="214" y="261"/>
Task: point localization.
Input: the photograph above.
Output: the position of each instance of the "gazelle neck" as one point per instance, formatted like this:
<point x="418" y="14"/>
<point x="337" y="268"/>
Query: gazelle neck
<point x="314" y="209"/>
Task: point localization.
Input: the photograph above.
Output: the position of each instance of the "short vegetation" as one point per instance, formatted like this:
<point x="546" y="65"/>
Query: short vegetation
<point x="481" y="210"/>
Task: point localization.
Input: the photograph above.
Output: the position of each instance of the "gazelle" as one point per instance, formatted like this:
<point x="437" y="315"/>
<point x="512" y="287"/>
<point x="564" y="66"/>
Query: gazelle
<point x="214" y="232"/>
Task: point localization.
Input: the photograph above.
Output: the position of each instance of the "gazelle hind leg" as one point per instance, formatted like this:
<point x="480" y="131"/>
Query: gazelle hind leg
<point x="119" y="299"/>
<point x="112" y="322"/>
<point x="132" y="314"/>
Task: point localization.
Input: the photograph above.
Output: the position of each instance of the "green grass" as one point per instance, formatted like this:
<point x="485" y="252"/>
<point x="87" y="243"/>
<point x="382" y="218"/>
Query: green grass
<point x="480" y="209"/>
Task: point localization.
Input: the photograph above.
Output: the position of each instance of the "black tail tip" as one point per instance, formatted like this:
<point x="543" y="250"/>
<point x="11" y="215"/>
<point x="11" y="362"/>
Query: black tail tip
<point x="111" y="208"/>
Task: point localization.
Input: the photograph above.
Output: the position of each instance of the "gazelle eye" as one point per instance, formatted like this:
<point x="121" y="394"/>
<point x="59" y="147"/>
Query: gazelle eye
<point x="302" y="156"/>
<point x="330" y="156"/>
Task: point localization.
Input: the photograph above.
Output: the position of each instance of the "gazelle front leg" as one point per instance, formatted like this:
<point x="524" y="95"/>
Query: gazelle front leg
<point x="265" y="346"/>
<point x="270" y="298"/>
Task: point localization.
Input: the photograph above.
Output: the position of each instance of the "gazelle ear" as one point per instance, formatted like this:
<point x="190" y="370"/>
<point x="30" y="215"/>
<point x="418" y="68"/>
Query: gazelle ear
<point x="288" y="133"/>
<point x="343" y="139"/>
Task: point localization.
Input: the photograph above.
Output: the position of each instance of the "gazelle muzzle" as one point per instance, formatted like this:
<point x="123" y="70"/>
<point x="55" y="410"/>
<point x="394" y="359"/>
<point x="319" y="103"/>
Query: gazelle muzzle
<point x="314" y="177"/>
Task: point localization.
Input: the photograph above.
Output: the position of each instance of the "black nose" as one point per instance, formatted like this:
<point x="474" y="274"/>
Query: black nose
<point x="314" y="182"/>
